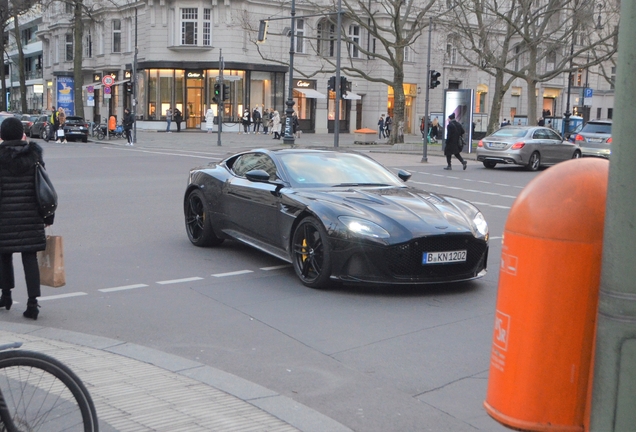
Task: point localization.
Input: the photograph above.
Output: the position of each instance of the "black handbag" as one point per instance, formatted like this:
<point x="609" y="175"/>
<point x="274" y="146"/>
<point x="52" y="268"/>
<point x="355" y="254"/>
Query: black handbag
<point x="461" y="143"/>
<point x="44" y="192"/>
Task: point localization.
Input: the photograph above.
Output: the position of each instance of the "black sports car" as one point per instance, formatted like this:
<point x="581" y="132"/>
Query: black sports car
<point x="336" y="216"/>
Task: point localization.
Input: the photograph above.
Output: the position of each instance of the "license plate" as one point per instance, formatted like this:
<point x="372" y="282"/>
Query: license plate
<point x="496" y="145"/>
<point x="596" y="140"/>
<point x="443" y="257"/>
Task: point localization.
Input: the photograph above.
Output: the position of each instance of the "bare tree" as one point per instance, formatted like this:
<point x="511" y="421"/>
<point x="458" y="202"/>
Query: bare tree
<point x="4" y="17"/>
<point x="543" y="40"/>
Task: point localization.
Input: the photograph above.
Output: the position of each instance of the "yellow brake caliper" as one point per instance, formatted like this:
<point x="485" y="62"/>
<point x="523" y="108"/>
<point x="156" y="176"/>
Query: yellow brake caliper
<point x="304" y="249"/>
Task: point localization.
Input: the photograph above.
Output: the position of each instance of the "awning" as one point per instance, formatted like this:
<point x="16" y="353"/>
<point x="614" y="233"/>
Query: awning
<point x="352" y="96"/>
<point x="310" y="93"/>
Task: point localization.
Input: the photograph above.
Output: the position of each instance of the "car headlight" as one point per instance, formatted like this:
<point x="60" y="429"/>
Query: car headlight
<point x="480" y="224"/>
<point x="364" y="227"/>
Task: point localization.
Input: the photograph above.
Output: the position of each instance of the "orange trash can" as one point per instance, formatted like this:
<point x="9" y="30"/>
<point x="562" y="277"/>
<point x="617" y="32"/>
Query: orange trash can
<point x="547" y="299"/>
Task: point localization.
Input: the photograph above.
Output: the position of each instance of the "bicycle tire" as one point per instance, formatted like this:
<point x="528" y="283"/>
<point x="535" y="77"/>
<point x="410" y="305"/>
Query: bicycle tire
<point x="101" y="135"/>
<point x="43" y="394"/>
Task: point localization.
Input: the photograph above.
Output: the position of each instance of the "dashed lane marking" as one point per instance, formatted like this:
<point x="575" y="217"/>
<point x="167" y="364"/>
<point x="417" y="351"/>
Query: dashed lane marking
<point x="234" y="273"/>
<point x="122" y="288"/>
<point x="60" y="296"/>
<point x="466" y="190"/>
<point x="176" y="281"/>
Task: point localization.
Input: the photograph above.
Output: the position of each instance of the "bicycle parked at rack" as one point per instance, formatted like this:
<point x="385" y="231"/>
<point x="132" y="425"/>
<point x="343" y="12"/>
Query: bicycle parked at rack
<point x="39" y="393"/>
<point x="118" y="132"/>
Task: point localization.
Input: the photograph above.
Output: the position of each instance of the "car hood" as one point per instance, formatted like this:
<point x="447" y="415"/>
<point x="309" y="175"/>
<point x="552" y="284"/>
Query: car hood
<point x="395" y="209"/>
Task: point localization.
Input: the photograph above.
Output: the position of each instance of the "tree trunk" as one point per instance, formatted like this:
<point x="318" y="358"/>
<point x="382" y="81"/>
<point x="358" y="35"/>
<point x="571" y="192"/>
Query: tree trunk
<point x="78" y="77"/>
<point x="21" y="72"/>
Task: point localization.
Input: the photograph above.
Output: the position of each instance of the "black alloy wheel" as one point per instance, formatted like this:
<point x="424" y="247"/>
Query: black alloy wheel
<point x="311" y="254"/>
<point x="535" y="162"/>
<point x="576" y="155"/>
<point x="46" y="133"/>
<point x="197" y="221"/>
<point x="490" y="164"/>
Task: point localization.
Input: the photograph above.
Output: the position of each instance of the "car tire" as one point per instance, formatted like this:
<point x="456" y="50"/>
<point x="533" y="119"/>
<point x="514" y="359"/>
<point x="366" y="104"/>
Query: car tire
<point x="311" y="253"/>
<point x="490" y="164"/>
<point x="576" y="155"/>
<point x="85" y="139"/>
<point x="197" y="221"/>
<point x="534" y="162"/>
<point x="47" y="133"/>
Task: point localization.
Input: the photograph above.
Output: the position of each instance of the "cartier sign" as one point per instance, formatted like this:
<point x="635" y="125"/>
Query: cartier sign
<point x="306" y="84"/>
<point x="194" y="74"/>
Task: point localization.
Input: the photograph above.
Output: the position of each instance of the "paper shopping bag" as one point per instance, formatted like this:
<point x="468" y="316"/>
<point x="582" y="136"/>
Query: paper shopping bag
<point x="51" y="262"/>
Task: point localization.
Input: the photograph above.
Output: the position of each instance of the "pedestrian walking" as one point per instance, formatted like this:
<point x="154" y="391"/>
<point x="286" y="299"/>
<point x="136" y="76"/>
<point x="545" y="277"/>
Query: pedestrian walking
<point x="276" y="124"/>
<point x="178" y="118"/>
<point x="256" y="119"/>
<point x="266" y="121"/>
<point x="128" y="121"/>
<point x="22" y="227"/>
<point x="55" y="124"/>
<point x="296" y="125"/>
<point x="61" y="119"/>
<point x="246" y="121"/>
<point x="454" y="132"/>
<point x="209" y="120"/>
<point x="169" y="119"/>
<point x="381" y="127"/>
<point x="388" y="125"/>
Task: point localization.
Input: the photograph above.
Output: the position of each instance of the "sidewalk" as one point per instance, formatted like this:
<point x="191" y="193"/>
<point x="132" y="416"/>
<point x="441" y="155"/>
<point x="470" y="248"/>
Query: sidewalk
<point x="136" y="388"/>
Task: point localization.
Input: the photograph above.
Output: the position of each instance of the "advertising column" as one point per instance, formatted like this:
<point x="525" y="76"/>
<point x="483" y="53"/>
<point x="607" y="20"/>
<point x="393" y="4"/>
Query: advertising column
<point x="460" y="103"/>
<point x="66" y="94"/>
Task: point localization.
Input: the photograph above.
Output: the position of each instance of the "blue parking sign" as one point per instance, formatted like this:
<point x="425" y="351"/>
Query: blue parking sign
<point x="588" y="93"/>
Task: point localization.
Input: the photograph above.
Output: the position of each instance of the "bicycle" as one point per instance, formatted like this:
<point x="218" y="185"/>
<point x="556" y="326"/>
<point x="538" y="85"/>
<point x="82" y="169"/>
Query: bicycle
<point x="39" y="393"/>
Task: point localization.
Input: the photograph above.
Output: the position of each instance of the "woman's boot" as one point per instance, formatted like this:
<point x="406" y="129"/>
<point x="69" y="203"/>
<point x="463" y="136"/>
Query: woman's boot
<point x="32" y="309"/>
<point x="5" y="300"/>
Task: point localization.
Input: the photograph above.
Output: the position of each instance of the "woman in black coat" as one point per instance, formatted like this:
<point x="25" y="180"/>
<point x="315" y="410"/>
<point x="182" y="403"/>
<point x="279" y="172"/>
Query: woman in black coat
<point x="454" y="132"/>
<point x="21" y="225"/>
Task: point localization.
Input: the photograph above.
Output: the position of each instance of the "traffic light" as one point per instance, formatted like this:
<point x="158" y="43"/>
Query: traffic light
<point x="225" y="95"/>
<point x="217" y="94"/>
<point x="434" y="82"/>
<point x="345" y="86"/>
<point x="331" y="85"/>
<point x="129" y="87"/>
<point x="262" y="32"/>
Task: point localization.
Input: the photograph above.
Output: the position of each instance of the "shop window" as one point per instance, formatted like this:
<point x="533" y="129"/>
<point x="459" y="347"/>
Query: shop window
<point x="300" y="36"/>
<point x="116" y="36"/>
<point x="189" y="26"/>
<point x="69" y="47"/>
<point x="354" y="37"/>
<point x="207" y="38"/>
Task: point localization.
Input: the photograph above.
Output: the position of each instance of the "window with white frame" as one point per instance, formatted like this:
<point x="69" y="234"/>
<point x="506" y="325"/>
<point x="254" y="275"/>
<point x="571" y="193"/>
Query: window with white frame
<point x="189" y="26"/>
<point x="300" y="36"/>
<point x="88" y="43"/>
<point x="207" y="27"/>
<point x="129" y="35"/>
<point x="550" y="60"/>
<point x="56" y="50"/>
<point x="68" y="7"/>
<point x="354" y="38"/>
<point x="326" y="43"/>
<point x="69" y="47"/>
<point x="116" y="36"/>
<point x="451" y="53"/>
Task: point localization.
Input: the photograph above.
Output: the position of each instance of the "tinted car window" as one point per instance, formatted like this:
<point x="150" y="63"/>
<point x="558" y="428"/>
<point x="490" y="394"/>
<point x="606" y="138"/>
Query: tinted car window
<point x="329" y="169"/>
<point x="540" y="134"/>
<point x="602" y="128"/>
<point x="553" y="135"/>
<point x="510" y="132"/>
<point x="253" y="161"/>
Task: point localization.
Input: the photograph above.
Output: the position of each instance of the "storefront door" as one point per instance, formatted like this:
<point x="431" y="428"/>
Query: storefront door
<point x="194" y="100"/>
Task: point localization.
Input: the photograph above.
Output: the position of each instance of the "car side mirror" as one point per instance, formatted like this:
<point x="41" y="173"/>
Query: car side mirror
<point x="404" y="175"/>
<point x="260" y="176"/>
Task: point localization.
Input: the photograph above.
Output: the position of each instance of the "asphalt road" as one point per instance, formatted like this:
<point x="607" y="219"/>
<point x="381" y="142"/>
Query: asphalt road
<point x="372" y="358"/>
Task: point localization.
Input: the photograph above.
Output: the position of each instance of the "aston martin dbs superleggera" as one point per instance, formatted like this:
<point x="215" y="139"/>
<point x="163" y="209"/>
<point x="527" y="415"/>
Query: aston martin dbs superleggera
<point x="336" y="216"/>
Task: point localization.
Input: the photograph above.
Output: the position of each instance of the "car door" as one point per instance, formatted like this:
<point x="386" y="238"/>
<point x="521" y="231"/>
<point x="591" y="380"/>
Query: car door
<point x="544" y="145"/>
<point x="252" y="207"/>
<point x="563" y="150"/>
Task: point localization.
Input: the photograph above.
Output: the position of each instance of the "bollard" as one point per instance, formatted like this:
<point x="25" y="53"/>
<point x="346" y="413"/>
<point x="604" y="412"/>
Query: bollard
<point x="547" y="299"/>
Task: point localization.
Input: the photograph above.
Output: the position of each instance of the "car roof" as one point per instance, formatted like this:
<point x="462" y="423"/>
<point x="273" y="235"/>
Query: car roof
<point x="603" y="121"/>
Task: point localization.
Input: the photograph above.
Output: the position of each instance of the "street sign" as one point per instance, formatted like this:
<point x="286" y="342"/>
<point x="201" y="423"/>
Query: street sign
<point x="588" y="93"/>
<point x="107" y="92"/>
<point x="108" y="80"/>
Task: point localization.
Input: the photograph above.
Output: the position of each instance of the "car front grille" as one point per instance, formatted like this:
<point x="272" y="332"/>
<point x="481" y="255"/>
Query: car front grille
<point x="405" y="260"/>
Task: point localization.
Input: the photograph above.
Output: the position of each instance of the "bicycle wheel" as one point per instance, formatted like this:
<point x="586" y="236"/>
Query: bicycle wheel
<point x="42" y="394"/>
<point x="100" y="134"/>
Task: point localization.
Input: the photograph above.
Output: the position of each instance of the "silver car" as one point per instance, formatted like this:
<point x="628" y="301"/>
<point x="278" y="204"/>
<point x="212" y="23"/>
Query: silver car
<point x="530" y="146"/>
<point x="595" y="138"/>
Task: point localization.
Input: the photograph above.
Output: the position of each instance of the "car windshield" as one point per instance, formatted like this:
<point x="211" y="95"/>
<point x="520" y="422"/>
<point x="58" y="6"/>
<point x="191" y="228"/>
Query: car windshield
<point x="335" y="169"/>
<point x="599" y="128"/>
<point x="510" y="132"/>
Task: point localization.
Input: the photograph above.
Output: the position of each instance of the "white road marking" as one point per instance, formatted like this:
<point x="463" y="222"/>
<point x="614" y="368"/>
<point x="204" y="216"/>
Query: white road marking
<point x="175" y="281"/>
<point x="60" y="296"/>
<point x="276" y="267"/>
<point x="122" y="288"/>
<point x="234" y="273"/>
<point x="465" y="190"/>
<point x="163" y="153"/>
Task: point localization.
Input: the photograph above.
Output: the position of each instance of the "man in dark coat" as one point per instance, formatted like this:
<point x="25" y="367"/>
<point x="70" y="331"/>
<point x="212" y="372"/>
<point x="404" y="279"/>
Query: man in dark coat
<point x="454" y="132"/>
<point x="21" y="225"/>
<point x="128" y="125"/>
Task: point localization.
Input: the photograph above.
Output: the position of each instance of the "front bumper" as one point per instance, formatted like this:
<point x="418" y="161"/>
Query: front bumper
<point x="402" y="264"/>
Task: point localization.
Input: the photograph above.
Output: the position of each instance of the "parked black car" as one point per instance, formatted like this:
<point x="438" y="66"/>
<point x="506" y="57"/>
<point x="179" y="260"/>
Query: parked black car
<point x="27" y="121"/>
<point x="75" y="128"/>
<point x="38" y="126"/>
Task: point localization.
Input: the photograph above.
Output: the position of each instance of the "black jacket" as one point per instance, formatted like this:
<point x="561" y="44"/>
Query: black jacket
<point x="128" y="121"/>
<point x="21" y="225"/>
<point x="454" y="131"/>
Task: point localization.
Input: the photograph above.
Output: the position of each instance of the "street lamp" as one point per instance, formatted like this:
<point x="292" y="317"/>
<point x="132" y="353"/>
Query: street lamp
<point x="288" y="137"/>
